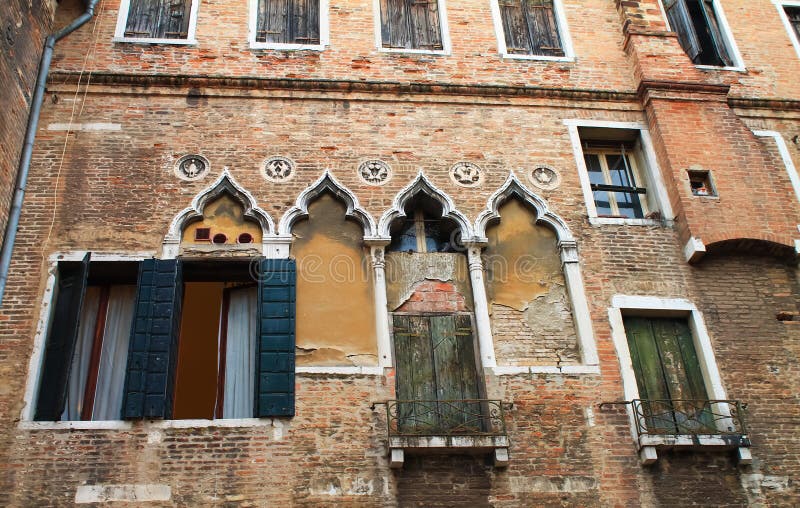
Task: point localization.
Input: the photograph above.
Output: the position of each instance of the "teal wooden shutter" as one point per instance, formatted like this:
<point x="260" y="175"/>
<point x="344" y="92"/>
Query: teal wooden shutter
<point x="275" y="362"/>
<point x="60" y="345"/>
<point x="153" y="350"/>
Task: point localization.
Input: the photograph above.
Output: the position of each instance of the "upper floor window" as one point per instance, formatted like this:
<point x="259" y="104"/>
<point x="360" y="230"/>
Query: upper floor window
<point x="415" y="25"/>
<point x="618" y="172"/>
<point x="165" y="21"/>
<point x="701" y="31"/>
<point x="789" y="11"/>
<point x="289" y="24"/>
<point x="531" y="27"/>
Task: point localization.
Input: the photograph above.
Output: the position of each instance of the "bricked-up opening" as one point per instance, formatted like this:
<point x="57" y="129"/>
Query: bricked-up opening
<point x="86" y="350"/>
<point x="699" y="31"/>
<point x="217" y="342"/>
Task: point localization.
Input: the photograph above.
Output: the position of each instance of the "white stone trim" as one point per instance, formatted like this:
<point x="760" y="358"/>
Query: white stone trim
<point x="563" y="33"/>
<point x="130" y="493"/>
<point x="425" y="186"/>
<point x="511" y="370"/>
<point x="694" y="250"/>
<point x="326" y="182"/>
<point x="780" y="4"/>
<point x="224" y="183"/>
<point x="350" y="371"/>
<point x="483" y="324"/>
<point x="384" y="337"/>
<point x="122" y="20"/>
<point x="655" y="306"/>
<point x="443" y="26"/>
<point x="651" y="171"/>
<point x="324" y="31"/>
<point x="783" y="149"/>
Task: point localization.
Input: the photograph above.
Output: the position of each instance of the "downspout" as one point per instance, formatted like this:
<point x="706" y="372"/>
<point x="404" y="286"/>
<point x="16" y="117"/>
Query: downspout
<point x="30" y="136"/>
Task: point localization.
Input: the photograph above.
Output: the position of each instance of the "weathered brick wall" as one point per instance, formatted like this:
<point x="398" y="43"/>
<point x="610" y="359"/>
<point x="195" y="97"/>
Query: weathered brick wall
<point x="116" y="191"/>
<point x="24" y="26"/>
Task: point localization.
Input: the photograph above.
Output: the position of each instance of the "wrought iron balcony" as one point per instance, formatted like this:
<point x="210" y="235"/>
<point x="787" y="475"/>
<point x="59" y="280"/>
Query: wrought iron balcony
<point x="679" y="417"/>
<point x="474" y="417"/>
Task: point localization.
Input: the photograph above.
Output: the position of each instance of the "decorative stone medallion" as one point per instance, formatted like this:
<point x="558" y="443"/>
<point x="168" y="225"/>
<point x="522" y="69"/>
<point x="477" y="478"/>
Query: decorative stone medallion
<point x="278" y="169"/>
<point x="374" y="172"/>
<point x="192" y="167"/>
<point x="545" y="177"/>
<point x="466" y="174"/>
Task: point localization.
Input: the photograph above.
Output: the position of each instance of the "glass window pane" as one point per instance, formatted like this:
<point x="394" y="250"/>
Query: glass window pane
<point x="618" y="171"/>
<point x="629" y="205"/>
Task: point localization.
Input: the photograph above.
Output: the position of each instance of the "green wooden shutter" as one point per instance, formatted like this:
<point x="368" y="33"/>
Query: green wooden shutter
<point x="415" y="375"/>
<point x="275" y="362"/>
<point x="667" y="369"/>
<point x="153" y="350"/>
<point x="60" y="345"/>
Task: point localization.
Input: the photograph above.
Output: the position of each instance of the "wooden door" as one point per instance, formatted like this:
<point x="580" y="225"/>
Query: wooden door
<point x="667" y="369"/>
<point x="436" y="368"/>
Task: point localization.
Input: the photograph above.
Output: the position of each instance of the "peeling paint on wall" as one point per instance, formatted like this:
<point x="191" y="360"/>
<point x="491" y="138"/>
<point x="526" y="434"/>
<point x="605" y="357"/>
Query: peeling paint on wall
<point x="531" y="316"/>
<point x="223" y="216"/>
<point x="335" y="301"/>
<point x="405" y="271"/>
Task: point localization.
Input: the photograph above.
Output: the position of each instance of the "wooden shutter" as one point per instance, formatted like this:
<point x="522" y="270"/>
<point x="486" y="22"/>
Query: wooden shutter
<point x="60" y="345"/>
<point x="153" y="350"/>
<point x="395" y="26"/>
<point x="667" y="367"/>
<point x="543" y="28"/>
<point x="275" y="362"/>
<point x="425" y="30"/>
<point x="716" y="33"/>
<point x="305" y="22"/>
<point x="515" y="27"/>
<point x="158" y="19"/>
<point x="681" y="24"/>
<point x="415" y="377"/>
<point x="288" y="21"/>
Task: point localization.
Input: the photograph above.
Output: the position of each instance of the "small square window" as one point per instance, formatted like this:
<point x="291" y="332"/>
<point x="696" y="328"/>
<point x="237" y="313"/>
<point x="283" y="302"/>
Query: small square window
<point x="701" y="183"/>
<point x="202" y="234"/>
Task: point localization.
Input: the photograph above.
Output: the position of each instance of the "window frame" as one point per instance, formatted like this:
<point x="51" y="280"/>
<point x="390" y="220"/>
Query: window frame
<point x="651" y="172"/>
<point x="324" y="31"/>
<point x="122" y="21"/>
<point x="651" y="306"/>
<point x="563" y="33"/>
<point x="727" y="34"/>
<point x="603" y="152"/>
<point x="781" y="5"/>
<point x="443" y="27"/>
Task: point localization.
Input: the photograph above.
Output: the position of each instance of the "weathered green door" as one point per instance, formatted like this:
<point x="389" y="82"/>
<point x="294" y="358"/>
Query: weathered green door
<point x="436" y="370"/>
<point x="667" y="370"/>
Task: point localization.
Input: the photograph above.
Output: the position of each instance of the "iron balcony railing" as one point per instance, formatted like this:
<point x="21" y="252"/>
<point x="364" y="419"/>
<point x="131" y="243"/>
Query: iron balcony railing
<point x="681" y="417"/>
<point x="472" y="417"/>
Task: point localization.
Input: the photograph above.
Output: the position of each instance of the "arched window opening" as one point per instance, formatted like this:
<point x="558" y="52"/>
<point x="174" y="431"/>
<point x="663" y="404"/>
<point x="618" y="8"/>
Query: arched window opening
<point x="423" y="229"/>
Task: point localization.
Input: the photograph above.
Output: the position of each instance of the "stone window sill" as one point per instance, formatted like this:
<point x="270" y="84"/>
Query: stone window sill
<point x="496" y="445"/>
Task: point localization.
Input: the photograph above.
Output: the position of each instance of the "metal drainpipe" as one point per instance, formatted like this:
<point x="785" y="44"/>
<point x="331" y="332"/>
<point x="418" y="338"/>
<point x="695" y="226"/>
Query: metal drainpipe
<point x="30" y="136"/>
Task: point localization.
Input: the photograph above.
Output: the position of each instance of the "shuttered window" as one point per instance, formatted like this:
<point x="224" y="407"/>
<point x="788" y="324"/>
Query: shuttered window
<point x="530" y="27"/>
<point x="793" y="13"/>
<point x="411" y="24"/>
<point x="158" y="19"/>
<point x="699" y="31"/>
<point x="668" y="374"/>
<point x="288" y="21"/>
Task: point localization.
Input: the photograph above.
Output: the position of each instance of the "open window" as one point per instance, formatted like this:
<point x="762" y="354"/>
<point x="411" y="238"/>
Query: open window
<point x="531" y="29"/>
<point x="161" y="21"/>
<point x="789" y="11"/>
<point x="412" y="25"/>
<point x="289" y="24"/>
<point x="195" y="340"/>
<point x="620" y="181"/>
<point x="702" y="32"/>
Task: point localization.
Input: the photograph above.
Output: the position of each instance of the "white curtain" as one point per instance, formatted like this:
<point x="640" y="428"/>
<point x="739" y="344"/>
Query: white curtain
<point x="114" y="356"/>
<point x="240" y="354"/>
<point x="79" y="371"/>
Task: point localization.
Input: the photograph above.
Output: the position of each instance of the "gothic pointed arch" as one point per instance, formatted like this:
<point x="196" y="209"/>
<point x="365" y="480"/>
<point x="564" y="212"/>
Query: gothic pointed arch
<point x="224" y="185"/>
<point x="327" y="183"/>
<point x="514" y="187"/>
<point x="421" y="185"/>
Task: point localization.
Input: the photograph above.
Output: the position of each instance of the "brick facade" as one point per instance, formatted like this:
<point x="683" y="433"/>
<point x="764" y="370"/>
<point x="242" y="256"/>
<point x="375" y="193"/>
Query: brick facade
<point x="115" y="191"/>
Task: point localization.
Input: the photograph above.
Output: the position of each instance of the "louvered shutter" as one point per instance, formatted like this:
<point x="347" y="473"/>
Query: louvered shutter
<point x="60" y="345"/>
<point x="543" y="28"/>
<point x="158" y="19"/>
<point x="153" y="349"/>
<point x="681" y="23"/>
<point x="276" y="338"/>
